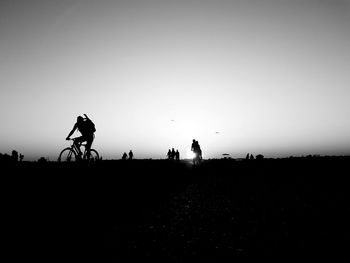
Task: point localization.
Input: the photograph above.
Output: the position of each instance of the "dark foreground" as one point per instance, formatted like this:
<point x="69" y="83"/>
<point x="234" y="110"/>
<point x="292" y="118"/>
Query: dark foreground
<point x="116" y="211"/>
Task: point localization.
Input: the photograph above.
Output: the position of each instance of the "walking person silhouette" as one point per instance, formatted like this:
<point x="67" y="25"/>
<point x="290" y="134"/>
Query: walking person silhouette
<point x="87" y="129"/>
<point x="196" y="149"/>
<point x="131" y="155"/>
<point x="169" y="154"/>
<point x="173" y="154"/>
<point x="177" y="155"/>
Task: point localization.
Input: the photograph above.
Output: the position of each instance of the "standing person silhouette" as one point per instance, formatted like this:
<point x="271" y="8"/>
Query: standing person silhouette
<point x="177" y="155"/>
<point x="196" y="149"/>
<point x="194" y="146"/>
<point x="131" y="155"/>
<point x="199" y="151"/>
<point x="172" y="154"/>
<point x="87" y="129"/>
<point x="169" y="154"/>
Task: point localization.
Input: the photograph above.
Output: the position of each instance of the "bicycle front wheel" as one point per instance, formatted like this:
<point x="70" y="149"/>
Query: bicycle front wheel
<point x="67" y="155"/>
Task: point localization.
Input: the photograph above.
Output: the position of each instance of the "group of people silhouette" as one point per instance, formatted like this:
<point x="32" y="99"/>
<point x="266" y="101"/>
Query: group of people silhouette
<point x="173" y="155"/>
<point x="196" y="149"/>
<point x="125" y="156"/>
<point x="14" y="157"/>
<point x="249" y="157"/>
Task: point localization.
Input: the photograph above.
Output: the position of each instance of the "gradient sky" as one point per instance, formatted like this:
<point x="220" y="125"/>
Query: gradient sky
<point x="271" y="76"/>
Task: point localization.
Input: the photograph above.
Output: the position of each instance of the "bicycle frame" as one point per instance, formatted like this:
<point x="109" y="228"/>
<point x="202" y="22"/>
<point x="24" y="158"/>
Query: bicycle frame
<point x="75" y="149"/>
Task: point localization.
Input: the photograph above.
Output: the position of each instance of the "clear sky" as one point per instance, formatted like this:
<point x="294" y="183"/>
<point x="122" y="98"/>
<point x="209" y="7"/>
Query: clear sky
<point x="264" y="76"/>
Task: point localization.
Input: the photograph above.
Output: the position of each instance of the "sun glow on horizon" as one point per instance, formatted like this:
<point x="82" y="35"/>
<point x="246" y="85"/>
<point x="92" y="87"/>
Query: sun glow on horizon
<point x="189" y="154"/>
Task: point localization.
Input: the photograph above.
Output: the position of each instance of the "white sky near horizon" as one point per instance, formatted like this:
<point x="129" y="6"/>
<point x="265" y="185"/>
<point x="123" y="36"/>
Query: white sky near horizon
<point x="270" y="76"/>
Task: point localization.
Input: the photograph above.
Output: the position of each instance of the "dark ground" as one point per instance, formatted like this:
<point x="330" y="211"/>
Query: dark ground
<point x="116" y="211"/>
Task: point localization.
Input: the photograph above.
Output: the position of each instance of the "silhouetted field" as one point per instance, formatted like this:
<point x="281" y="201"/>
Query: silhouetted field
<point x="158" y="209"/>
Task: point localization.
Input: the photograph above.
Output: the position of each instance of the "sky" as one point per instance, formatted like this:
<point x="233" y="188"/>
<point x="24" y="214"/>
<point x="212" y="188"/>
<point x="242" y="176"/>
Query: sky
<point x="268" y="76"/>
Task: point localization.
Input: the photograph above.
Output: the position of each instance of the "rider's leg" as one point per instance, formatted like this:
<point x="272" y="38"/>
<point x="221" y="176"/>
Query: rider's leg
<point x="77" y="143"/>
<point x="89" y="140"/>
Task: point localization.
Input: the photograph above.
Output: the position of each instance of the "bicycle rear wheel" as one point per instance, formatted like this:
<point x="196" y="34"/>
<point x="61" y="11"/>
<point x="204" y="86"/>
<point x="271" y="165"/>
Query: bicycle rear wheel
<point x="67" y="155"/>
<point x="94" y="156"/>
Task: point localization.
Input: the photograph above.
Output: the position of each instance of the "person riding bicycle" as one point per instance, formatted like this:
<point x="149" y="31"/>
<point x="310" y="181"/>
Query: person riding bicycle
<point x="87" y="128"/>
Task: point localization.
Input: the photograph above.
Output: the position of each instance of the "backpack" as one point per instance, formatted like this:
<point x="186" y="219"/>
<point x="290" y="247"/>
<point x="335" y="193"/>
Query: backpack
<point x="90" y="126"/>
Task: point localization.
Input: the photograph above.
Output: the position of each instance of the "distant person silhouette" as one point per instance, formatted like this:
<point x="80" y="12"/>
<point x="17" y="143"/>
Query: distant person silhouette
<point x="247" y="156"/>
<point x="172" y="154"/>
<point x="169" y="154"/>
<point x="125" y="156"/>
<point x="131" y="155"/>
<point x="199" y="152"/>
<point x="194" y="145"/>
<point x="177" y="155"/>
<point x="87" y="129"/>
<point x="252" y="157"/>
<point x="196" y="149"/>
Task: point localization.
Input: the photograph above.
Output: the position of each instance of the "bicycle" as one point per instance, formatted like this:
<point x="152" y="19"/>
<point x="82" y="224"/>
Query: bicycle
<point x="71" y="154"/>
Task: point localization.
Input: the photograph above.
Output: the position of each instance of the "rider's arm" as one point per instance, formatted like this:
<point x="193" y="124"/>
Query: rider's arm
<point x="86" y="116"/>
<point x="72" y="131"/>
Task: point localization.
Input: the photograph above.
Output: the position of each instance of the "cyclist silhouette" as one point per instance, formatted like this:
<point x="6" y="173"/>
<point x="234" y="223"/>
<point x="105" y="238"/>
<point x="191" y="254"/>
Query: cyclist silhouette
<point x="86" y="127"/>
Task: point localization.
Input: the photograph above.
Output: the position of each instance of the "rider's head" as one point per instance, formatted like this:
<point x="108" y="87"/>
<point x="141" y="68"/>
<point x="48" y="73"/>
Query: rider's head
<point x="80" y="119"/>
